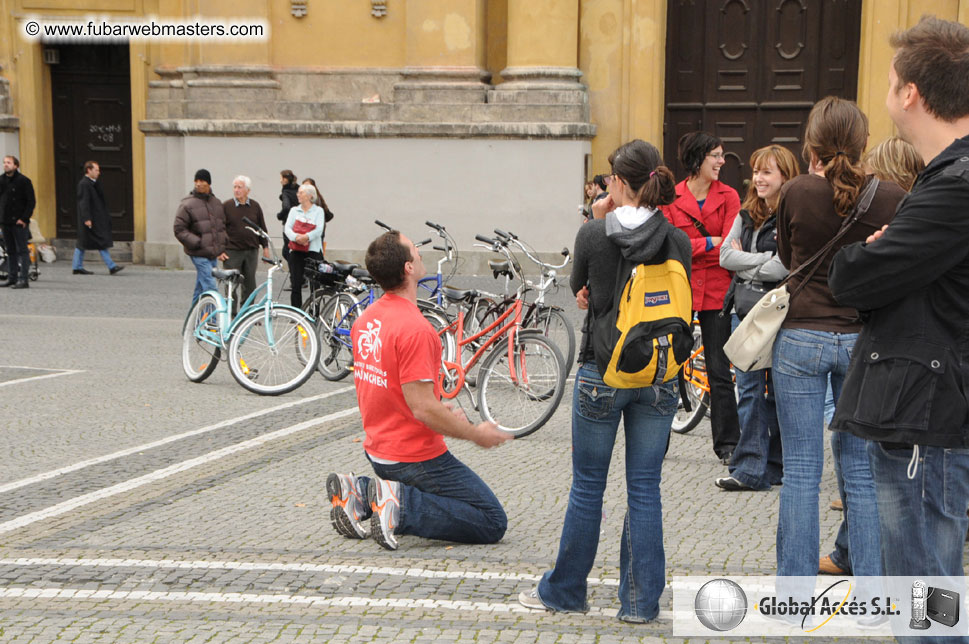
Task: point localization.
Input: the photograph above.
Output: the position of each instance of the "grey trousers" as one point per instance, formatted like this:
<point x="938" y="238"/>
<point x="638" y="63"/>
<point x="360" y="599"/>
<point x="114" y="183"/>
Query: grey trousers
<point x="246" y="261"/>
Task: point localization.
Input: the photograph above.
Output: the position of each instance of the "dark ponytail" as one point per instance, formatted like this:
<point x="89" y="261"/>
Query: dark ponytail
<point x="836" y="134"/>
<point x="640" y="165"/>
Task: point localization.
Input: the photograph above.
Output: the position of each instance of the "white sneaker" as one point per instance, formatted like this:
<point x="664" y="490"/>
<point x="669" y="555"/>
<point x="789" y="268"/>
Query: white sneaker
<point x="385" y="505"/>
<point x="530" y="599"/>
<point x="348" y="511"/>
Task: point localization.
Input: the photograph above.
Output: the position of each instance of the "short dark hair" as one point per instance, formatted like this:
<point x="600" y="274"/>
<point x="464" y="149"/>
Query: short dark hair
<point x="288" y="175"/>
<point x="90" y="164"/>
<point x="385" y="261"/>
<point x="16" y="161"/>
<point x="693" y="149"/>
<point x="934" y="55"/>
<point x="640" y="166"/>
<point x="600" y="180"/>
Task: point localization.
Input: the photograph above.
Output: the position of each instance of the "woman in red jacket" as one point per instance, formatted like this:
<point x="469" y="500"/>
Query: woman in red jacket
<point x="705" y="210"/>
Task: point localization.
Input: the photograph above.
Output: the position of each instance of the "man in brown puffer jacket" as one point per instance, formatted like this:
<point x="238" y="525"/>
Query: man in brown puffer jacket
<point x="200" y="227"/>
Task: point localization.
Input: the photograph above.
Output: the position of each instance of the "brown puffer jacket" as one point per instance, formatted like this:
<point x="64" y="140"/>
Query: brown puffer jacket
<point x="200" y="225"/>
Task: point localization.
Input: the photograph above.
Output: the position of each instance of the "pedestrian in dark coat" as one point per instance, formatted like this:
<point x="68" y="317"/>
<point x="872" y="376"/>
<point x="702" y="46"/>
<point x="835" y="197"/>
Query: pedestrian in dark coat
<point x="93" y="221"/>
<point x="288" y="200"/>
<point x="200" y="227"/>
<point x="17" y="203"/>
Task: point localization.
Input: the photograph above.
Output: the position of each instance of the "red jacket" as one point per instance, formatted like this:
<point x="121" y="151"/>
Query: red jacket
<point x="709" y="280"/>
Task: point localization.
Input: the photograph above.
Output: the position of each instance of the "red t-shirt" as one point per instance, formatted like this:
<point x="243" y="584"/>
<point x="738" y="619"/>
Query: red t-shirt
<point x="392" y="345"/>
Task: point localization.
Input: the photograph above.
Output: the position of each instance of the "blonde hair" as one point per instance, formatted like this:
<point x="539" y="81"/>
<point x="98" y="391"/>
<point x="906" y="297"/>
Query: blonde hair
<point x="895" y="160"/>
<point x="786" y="164"/>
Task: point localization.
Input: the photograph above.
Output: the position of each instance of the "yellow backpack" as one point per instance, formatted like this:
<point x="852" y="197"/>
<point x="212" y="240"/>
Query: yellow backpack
<point x="645" y="337"/>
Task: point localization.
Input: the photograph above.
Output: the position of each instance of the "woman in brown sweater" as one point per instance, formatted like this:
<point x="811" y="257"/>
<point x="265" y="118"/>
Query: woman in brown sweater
<point x="816" y="339"/>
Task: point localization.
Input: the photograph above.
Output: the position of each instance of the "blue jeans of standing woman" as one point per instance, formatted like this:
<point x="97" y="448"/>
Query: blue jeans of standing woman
<point x="756" y="460"/>
<point x="802" y="361"/>
<point x="647" y="414"/>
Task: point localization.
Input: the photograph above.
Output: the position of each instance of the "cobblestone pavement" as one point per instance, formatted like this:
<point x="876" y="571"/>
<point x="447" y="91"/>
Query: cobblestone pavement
<point x="136" y="506"/>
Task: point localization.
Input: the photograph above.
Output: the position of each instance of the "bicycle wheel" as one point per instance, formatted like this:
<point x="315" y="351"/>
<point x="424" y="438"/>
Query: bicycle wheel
<point x="333" y="326"/>
<point x="277" y="367"/>
<point x="695" y="374"/>
<point x="523" y="403"/>
<point x="556" y="327"/>
<point x="438" y="320"/>
<point x="313" y="305"/>
<point x="199" y="358"/>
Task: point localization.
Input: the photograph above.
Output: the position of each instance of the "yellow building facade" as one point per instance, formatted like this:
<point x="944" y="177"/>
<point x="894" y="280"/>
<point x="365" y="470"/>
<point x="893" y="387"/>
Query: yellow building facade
<point x="475" y="113"/>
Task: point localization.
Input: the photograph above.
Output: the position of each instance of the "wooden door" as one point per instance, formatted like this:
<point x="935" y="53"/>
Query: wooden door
<point x="91" y="90"/>
<point x="749" y="71"/>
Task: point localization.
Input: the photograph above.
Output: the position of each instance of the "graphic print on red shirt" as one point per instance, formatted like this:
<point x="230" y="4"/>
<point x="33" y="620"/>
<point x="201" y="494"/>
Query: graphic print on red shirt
<point x="392" y="345"/>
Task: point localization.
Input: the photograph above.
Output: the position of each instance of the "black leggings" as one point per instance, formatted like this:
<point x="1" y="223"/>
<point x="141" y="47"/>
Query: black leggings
<point x="297" y="259"/>
<point x="715" y="329"/>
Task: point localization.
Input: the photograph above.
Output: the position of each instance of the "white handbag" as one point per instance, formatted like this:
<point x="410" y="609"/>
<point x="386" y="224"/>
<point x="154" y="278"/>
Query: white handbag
<point x="751" y="344"/>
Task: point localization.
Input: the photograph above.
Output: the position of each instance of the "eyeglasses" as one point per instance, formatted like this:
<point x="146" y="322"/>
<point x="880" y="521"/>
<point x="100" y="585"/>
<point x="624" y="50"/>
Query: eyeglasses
<point x="717" y="156"/>
<point x="611" y="177"/>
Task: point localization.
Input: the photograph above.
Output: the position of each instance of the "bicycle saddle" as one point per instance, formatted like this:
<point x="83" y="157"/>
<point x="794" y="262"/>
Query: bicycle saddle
<point x="344" y="267"/>
<point x="456" y="294"/>
<point x="499" y="267"/>
<point x="361" y="274"/>
<point x="232" y="274"/>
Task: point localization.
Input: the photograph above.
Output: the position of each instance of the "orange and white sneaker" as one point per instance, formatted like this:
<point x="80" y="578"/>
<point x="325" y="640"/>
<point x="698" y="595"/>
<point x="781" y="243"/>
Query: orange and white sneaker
<point x="349" y="509"/>
<point x="385" y="504"/>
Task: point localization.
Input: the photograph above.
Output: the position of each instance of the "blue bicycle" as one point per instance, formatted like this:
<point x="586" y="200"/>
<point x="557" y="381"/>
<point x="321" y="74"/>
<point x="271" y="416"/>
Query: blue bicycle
<point x="272" y="348"/>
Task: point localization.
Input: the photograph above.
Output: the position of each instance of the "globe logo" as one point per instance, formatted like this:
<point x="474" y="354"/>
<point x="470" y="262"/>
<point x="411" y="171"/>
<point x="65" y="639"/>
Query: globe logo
<point x="720" y="605"/>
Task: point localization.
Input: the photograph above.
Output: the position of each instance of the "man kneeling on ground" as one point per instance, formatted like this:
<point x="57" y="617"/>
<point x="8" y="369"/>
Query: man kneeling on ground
<point x="422" y="489"/>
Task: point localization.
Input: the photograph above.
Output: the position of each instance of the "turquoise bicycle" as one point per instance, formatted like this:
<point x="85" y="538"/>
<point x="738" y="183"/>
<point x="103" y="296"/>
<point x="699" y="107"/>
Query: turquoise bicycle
<point x="272" y="348"/>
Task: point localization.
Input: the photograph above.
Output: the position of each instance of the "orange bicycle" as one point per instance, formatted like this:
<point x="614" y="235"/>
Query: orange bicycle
<point x="521" y="379"/>
<point x="697" y="389"/>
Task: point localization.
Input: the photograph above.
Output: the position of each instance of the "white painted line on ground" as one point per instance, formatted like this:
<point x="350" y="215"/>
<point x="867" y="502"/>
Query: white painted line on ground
<point x="311" y="600"/>
<point x="59" y="372"/>
<point x="157" y="475"/>
<point x="7" y="487"/>
<point x="287" y="567"/>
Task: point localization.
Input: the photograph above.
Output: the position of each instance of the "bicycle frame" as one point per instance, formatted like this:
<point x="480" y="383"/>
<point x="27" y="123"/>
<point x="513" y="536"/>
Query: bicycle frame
<point x="360" y="304"/>
<point x="226" y="323"/>
<point x="509" y="330"/>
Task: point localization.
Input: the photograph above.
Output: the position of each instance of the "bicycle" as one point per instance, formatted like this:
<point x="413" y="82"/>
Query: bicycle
<point x="33" y="269"/>
<point x="549" y="320"/>
<point x="697" y="389"/>
<point x="520" y="381"/>
<point x="272" y="348"/>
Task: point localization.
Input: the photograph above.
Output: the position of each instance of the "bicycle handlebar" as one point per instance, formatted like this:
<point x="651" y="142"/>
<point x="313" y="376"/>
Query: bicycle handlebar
<point x="440" y="248"/>
<point x="423" y="243"/>
<point x="487" y="240"/>
<point x="437" y="227"/>
<point x="382" y="225"/>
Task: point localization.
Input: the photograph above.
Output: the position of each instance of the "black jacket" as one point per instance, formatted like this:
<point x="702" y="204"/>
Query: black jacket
<point x="909" y="375"/>
<point x="92" y="207"/>
<point x="17" y="199"/>
<point x="289" y="199"/>
<point x="600" y="246"/>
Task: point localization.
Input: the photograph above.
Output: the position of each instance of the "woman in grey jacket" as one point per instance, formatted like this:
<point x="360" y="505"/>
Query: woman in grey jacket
<point x="750" y="250"/>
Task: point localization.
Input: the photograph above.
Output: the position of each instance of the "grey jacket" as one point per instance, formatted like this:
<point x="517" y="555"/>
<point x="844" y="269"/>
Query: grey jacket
<point x="750" y="267"/>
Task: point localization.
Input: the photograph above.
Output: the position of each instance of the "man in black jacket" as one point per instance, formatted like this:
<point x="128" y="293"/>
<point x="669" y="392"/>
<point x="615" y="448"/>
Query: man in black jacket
<point x="17" y="203"/>
<point x="93" y="221"/>
<point x="906" y="389"/>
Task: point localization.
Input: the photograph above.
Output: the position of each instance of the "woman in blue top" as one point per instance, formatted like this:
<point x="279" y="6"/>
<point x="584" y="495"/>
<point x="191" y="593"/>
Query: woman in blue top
<point x="304" y="229"/>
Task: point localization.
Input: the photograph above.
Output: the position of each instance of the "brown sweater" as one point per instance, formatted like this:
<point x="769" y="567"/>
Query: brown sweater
<point x="806" y="221"/>
<point x="235" y="228"/>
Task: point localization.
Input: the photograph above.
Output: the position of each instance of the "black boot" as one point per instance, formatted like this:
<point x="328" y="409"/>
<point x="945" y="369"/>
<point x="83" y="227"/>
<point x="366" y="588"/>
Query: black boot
<point x="21" y="284"/>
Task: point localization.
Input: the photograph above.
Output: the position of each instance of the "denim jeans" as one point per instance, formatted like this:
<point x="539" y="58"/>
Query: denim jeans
<point x="861" y="552"/>
<point x="647" y="414"/>
<point x="923" y="519"/>
<point x="802" y="361"/>
<point x="715" y="329"/>
<point x="203" y="275"/>
<point x="442" y="498"/>
<point x="756" y="460"/>
<point x="78" y="262"/>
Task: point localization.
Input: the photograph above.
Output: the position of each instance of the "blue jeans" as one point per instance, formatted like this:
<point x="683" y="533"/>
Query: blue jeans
<point x="756" y="460"/>
<point x="78" y="261"/>
<point x="802" y="361"/>
<point x="858" y="548"/>
<point x="923" y="519"/>
<point x="203" y="275"/>
<point x="442" y="498"/>
<point x="647" y="414"/>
